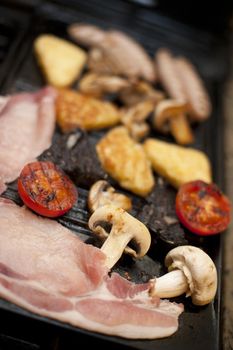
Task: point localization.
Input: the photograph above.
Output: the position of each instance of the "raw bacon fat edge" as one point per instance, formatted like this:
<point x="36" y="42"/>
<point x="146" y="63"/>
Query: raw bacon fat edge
<point x="27" y="122"/>
<point x="47" y="269"/>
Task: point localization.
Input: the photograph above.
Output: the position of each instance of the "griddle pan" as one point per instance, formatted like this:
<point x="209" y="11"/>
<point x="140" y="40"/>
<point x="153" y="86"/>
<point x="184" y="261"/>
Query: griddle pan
<point x="199" y="327"/>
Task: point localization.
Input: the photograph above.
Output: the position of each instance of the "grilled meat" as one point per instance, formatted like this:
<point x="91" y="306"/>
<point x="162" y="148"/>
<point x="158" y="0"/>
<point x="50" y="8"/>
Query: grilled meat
<point x="68" y="280"/>
<point x="27" y="122"/>
<point x="115" y="52"/>
<point x="86" y="34"/>
<point x="158" y="214"/>
<point x="79" y="161"/>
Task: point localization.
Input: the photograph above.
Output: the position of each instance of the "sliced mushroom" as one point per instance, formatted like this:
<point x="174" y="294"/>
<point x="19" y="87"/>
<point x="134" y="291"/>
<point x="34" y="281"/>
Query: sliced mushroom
<point x="134" y="118"/>
<point x="170" y="116"/>
<point x="102" y="193"/>
<point x="192" y="271"/>
<point x="124" y="229"/>
<point x="138" y="131"/>
<point x="98" y="85"/>
<point x="137" y="113"/>
<point x="140" y="91"/>
<point x="73" y="139"/>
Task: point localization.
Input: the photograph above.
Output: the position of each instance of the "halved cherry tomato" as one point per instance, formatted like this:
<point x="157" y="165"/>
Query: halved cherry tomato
<point x="45" y="188"/>
<point x="203" y="208"/>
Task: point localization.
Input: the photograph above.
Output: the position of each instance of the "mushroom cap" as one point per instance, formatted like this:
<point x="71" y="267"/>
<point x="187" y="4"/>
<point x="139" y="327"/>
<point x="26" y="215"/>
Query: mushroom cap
<point x="125" y="228"/>
<point x="167" y="109"/>
<point x="199" y="270"/>
<point x="102" y="193"/>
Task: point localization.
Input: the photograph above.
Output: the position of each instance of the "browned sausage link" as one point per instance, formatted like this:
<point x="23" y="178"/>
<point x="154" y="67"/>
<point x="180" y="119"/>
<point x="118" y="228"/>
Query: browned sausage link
<point x="179" y="126"/>
<point x="197" y="96"/>
<point x="85" y="34"/>
<point x="168" y="75"/>
<point x="131" y="55"/>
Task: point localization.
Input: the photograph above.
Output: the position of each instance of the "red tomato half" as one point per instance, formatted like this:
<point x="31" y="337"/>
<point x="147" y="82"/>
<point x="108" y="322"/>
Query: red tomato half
<point x="45" y="188"/>
<point x="202" y="208"/>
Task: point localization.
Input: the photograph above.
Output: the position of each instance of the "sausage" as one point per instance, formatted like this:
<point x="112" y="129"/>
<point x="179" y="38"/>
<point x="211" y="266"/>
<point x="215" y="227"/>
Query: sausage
<point x="168" y="75"/>
<point x="86" y="34"/>
<point x="197" y="96"/>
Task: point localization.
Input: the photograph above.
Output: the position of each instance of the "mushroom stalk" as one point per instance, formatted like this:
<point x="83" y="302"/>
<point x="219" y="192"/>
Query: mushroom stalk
<point x="181" y="130"/>
<point x="170" y="285"/>
<point x="170" y="115"/>
<point x="114" y="246"/>
<point x="192" y="272"/>
<point x="124" y="228"/>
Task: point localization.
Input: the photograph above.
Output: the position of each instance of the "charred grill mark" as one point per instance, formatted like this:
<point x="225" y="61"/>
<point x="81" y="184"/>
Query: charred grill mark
<point x="219" y="212"/>
<point x="32" y="178"/>
<point x="63" y="180"/>
<point x="66" y="185"/>
<point x="52" y="193"/>
<point x="214" y="190"/>
<point x="195" y="212"/>
<point x="202" y="194"/>
<point x="51" y="197"/>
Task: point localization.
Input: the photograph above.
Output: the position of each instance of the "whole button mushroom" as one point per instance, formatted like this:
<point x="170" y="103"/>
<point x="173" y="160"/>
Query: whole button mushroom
<point x="124" y="229"/>
<point x="192" y="271"/>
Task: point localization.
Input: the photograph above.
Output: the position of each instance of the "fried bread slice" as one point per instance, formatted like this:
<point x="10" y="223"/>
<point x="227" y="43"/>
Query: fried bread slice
<point x="75" y="110"/>
<point x="60" y="60"/>
<point x="126" y="161"/>
<point x="178" y="164"/>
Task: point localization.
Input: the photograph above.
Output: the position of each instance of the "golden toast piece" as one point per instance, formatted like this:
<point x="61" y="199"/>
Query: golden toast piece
<point x="75" y="110"/>
<point x="126" y="161"/>
<point x="60" y="60"/>
<point x="178" y="164"/>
